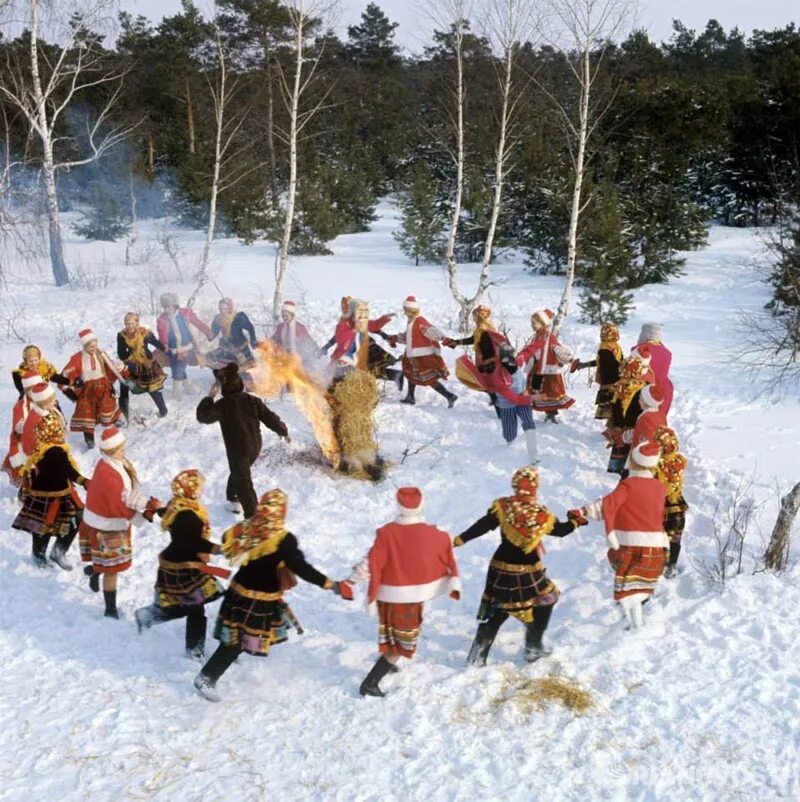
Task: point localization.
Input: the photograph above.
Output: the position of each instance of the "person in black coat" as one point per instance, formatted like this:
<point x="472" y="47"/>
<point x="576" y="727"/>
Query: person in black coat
<point x="239" y="415"/>
<point x="253" y="617"/>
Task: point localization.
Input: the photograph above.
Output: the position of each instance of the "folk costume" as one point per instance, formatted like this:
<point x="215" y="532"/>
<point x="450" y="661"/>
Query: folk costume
<point x="544" y="359"/>
<point x="410" y="562"/>
<point x="293" y="337"/>
<point x="514" y="403"/>
<point x="357" y="349"/>
<point x="92" y="377"/>
<point x="606" y="364"/>
<point x="651" y="398"/>
<point x="51" y="505"/>
<point x="240" y="416"/>
<point x="15" y="457"/>
<point x="237" y="338"/>
<point x="634" y="376"/>
<point x="422" y="360"/>
<point x="670" y="471"/>
<point x="175" y="334"/>
<point x="481" y="372"/>
<point x="113" y="503"/>
<point x="43" y="403"/>
<point x="633" y="515"/>
<point x="660" y="358"/>
<point x="145" y="374"/>
<point x="253" y="616"/>
<point x="517" y="583"/>
<point x="184" y="583"/>
<point x="34" y="362"/>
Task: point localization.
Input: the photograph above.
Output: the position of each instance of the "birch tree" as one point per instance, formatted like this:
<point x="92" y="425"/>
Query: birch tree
<point x="46" y="86"/>
<point x="585" y="28"/>
<point x="295" y="81"/>
<point x="508" y="24"/>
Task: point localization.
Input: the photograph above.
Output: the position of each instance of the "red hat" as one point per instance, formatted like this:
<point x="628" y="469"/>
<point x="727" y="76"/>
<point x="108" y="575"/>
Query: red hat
<point x="42" y="392"/>
<point x="86" y="336"/>
<point x="289" y="306"/>
<point x="111" y="438"/>
<point x="544" y="315"/>
<point x="30" y="378"/>
<point x="409" y="499"/>
<point x="651" y="396"/>
<point x="411" y="303"/>
<point x="646" y="454"/>
<point x="644" y="353"/>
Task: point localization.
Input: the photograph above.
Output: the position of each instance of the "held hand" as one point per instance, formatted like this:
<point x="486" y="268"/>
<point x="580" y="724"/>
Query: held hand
<point x="575" y="365"/>
<point x="578" y="517"/>
<point x="448" y="342"/>
<point x="392" y="340"/>
<point x="213" y="390"/>
<point x="457" y="541"/>
<point x="343" y="589"/>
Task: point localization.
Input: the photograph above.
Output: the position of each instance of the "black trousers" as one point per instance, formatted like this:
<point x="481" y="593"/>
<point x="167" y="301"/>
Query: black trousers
<point x="125" y="401"/>
<point x="219" y="662"/>
<point x="195" y="622"/>
<point x="240" y="486"/>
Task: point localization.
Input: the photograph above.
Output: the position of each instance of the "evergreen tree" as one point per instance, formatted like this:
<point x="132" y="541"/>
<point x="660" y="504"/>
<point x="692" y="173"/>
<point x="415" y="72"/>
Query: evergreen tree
<point x="421" y="236"/>
<point x="107" y="218"/>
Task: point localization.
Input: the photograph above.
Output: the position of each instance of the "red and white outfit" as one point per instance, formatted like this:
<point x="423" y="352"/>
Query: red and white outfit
<point x="39" y="394"/>
<point x="633" y="515"/>
<point x="94" y="387"/>
<point x="410" y="562"/>
<point x="651" y="399"/>
<point x="660" y="363"/>
<point x="544" y="360"/>
<point x="422" y="361"/>
<point x="113" y="503"/>
<point x="293" y="337"/>
<point x="16" y="456"/>
<point x="348" y="340"/>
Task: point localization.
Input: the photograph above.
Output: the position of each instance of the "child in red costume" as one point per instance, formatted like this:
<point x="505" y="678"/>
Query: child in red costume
<point x="15" y="458"/>
<point x="409" y="563"/>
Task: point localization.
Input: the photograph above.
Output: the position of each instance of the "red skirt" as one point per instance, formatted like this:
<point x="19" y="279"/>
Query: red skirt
<point x="636" y="569"/>
<point x="108" y="552"/>
<point x="552" y="394"/>
<point x="96" y="404"/>
<point x="399" y="625"/>
<point x="424" y="370"/>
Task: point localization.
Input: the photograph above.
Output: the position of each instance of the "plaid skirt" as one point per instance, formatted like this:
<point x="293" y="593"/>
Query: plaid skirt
<point x="399" y="625"/>
<point x="184" y="585"/>
<point x="108" y="552"/>
<point x="227" y="352"/>
<point x="96" y="404"/>
<point x="47" y="515"/>
<point x="636" y="569"/>
<point x="603" y="403"/>
<point x="148" y="378"/>
<point x="675" y="519"/>
<point x="252" y="620"/>
<point x="552" y="394"/>
<point x="517" y="590"/>
<point x="379" y="359"/>
<point x="424" y="370"/>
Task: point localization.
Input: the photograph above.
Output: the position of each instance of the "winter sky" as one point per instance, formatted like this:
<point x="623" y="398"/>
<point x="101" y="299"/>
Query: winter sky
<point x="654" y="15"/>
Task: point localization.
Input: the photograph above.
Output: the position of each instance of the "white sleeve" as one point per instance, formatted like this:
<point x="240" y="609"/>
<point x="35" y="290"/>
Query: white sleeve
<point x="594" y="510"/>
<point x="360" y="572"/>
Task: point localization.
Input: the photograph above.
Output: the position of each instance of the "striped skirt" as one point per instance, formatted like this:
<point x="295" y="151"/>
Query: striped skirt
<point x="517" y="590"/>
<point x="252" y="620"/>
<point x="424" y="370"/>
<point x="675" y="519"/>
<point x="551" y="394"/>
<point x="47" y="515"/>
<point x="184" y="585"/>
<point x="399" y="625"/>
<point x="636" y="569"/>
<point x="108" y="552"/>
<point x="96" y="404"/>
<point x="149" y="378"/>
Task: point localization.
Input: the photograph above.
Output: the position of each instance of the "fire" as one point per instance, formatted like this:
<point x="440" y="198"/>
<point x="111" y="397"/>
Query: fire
<point x="275" y="370"/>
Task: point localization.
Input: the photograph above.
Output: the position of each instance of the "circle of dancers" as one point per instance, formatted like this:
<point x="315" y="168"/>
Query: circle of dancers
<point x="411" y="561"/>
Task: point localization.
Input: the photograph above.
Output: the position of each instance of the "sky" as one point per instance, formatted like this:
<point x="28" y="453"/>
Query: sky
<point x="654" y="15"/>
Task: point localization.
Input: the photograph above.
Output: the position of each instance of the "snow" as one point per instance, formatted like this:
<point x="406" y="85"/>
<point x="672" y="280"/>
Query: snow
<point x="704" y="707"/>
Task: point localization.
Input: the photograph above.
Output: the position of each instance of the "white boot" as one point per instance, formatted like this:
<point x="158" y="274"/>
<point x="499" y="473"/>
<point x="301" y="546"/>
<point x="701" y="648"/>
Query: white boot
<point x="235" y="507"/>
<point x="177" y="389"/>
<point x="632" y="610"/>
<point x="533" y="450"/>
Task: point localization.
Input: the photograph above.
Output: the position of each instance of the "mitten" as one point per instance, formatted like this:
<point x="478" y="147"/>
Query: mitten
<point x="578" y="517"/>
<point x="392" y="340"/>
<point x="446" y="341"/>
<point x="575" y="365"/>
<point x="457" y="541"/>
<point x="343" y="589"/>
<point x="153" y="505"/>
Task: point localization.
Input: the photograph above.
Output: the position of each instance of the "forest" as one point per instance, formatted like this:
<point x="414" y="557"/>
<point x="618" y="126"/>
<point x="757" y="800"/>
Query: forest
<point x="598" y="153"/>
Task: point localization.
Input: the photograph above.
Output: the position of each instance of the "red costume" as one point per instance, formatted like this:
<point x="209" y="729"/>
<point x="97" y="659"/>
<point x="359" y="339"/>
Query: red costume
<point x="15" y="458"/>
<point x="660" y="362"/>
<point x="544" y="359"/>
<point x="345" y="335"/>
<point x="422" y="361"/>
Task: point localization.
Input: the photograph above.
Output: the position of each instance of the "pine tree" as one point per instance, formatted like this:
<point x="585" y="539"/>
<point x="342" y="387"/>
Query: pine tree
<point x="421" y="237"/>
<point x="108" y="218"/>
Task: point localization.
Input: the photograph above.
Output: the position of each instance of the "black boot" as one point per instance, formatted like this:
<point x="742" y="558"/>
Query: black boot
<point x="443" y="391"/>
<point x="671" y="568"/>
<point x="39" y="550"/>
<point x="534" y="648"/>
<point x="409" y="399"/>
<point x="551" y="417"/>
<point x="111" y="604"/>
<point x="484" y="638"/>
<point x="88" y="438"/>
<point x="370" y="686"/>
<point x="161" y="404"/>
<point x="196" y="633"/>
<point x="125" y="403"/>
<point x="94" y="578"/>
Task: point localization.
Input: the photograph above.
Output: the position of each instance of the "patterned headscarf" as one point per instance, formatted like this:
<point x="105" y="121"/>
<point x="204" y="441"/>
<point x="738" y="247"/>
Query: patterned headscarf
<point x="630" y="381"/>
<point x="187" y="488"/>
<point x="672" y="464"/>
<point x="609" y="341"/>
<point x="523" y="521"/>
<point x="49" y="433"/>
<point x="260" y="534"/>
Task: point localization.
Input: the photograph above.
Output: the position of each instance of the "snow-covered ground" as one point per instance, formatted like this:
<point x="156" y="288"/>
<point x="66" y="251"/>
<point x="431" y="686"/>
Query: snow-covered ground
<point x="707" y="708"/>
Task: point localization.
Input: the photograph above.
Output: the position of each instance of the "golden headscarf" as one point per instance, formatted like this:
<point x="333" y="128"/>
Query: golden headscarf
<point x="483" y="322"/>
<point x="523" y="520"/>
<point x="630" y="381"/>
<point x="49" y="433"/>
<point x="186" y="488"/>
<point x="672" y="464"/>
<point x="609" y="340"/>
<point x="260" y="534"/>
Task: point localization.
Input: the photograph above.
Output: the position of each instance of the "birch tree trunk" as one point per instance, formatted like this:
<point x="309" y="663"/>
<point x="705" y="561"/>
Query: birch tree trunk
<point x="282" y="257"/>
<point x="777" y="554"/>
<point x="187" y="90"/>
<point x="273" y="163"/>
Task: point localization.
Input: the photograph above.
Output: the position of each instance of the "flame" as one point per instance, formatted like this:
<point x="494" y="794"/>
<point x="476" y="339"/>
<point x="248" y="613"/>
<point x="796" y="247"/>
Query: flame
<point x="275" y="370"/>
